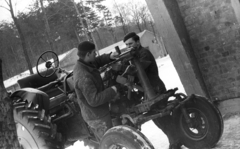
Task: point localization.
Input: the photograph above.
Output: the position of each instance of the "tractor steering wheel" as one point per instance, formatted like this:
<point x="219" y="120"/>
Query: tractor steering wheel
<point x="47" y="64"/>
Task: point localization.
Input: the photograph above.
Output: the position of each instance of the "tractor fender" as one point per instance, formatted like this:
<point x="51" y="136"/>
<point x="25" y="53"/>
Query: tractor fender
<point x="35" y="96"/>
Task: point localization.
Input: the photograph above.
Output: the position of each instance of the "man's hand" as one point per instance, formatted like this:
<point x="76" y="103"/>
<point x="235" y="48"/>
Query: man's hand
<point x="131" y="69"/>
<point x="114" y="55"/>
<point x="114" y="88"/>
<point x="116" y="98"/>
<point x="117" y="95"/>
<point x="132" y="48"/>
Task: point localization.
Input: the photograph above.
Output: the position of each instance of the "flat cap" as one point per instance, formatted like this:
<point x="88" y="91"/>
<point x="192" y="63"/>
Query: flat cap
<point x="129" y="35"/>
<point x="86" y="46"/>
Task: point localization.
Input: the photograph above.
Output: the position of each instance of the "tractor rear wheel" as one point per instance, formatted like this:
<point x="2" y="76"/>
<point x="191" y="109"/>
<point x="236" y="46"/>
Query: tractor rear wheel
<point x="34" y="129"/>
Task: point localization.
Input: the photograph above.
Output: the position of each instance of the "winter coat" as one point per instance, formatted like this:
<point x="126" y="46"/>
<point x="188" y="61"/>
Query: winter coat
<point x="151" y="70"/>
<point x="93" y="98"/>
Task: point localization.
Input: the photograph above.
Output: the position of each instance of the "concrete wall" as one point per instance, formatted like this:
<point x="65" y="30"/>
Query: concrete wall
<point x="214" y="31"/>
<point x="176" y="44"/>
<point x="213" y="27"/>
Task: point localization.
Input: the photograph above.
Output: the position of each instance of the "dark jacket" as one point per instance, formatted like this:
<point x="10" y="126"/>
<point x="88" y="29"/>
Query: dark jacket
<point x="92" y="97"/>
<point x="152" y="69"/>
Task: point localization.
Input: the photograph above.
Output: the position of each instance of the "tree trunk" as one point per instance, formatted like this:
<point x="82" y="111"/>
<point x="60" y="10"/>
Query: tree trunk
<point x="14" y="55"/>
<point x="139" y="27"/>
<point x="152" y="25"/>
<point x="76" y="33"/>
<point x="49" y="37"/>
<point x="85" y="28"/>
<point x="113" y="35"/>
<point x="121" y="19"/>
<point x="8" y="72"/>
<point x="95" y="42"/>
<point x="8" y="135"/>
<point x="22" y="38"/>
<point x="145" y="23"/>
<point x="99" y="38"/>
<point x="123" y="25"/>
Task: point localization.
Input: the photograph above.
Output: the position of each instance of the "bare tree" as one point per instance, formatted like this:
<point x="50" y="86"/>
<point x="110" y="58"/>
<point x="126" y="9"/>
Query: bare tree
<point x="85" y="27"/>
<point x="144" y="14"/>
<point x="8" y="135"/>
<point x="120" y="18"/>
<point x="49" y="37"/>
<point x="135" y="13"/>
<point x="22" y="38"/>
<point x="107" y="21"/>
<point x="152" y="25"/>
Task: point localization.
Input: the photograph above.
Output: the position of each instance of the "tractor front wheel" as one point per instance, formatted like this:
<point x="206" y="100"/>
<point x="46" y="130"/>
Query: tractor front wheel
<point x="124" y="137"/>
<point x="205" y="127"/>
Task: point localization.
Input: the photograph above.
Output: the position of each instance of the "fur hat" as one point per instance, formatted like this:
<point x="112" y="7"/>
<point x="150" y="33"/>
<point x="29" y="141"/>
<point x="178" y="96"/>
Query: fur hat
<point x="130" y="35"/>
<point x="85" y="47"/>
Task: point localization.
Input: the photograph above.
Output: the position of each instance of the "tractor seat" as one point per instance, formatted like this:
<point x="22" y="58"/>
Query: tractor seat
<point x="52" y="88"/>
<point x="46" y="85"/>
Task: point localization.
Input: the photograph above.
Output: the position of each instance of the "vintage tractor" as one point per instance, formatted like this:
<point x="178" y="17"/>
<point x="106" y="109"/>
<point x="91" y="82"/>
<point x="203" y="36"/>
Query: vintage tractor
<point x="47" y="114"/>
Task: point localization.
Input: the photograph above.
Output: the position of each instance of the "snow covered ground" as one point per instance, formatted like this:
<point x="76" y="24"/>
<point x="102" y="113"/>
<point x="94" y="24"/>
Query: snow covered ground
<point x="171" y="79"/>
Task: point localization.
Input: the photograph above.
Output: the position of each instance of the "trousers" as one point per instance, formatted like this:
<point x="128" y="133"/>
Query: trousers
<point x="100" y="126"/>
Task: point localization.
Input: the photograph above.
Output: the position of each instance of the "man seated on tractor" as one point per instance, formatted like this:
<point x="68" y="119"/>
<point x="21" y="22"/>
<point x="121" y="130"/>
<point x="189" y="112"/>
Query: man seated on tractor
<point x="93" y="98"/>
<point x="132" y="41"/>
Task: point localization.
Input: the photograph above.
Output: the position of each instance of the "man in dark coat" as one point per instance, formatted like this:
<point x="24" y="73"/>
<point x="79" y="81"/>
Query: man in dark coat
<point x="132" y="41"/>
<point x="93" y="98"/>
<point x="165" y="123"/>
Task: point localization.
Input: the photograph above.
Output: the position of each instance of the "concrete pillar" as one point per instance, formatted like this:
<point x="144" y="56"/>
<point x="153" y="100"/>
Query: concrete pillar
<point x="170" y="26"/>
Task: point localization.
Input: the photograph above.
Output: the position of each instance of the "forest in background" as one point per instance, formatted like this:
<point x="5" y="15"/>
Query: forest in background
<point x="59" y="25"/>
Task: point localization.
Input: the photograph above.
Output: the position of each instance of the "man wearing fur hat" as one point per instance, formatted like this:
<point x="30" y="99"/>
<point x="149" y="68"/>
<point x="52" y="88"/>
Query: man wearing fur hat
<point x="165" y="123"/>
<point x="93" y="98"/>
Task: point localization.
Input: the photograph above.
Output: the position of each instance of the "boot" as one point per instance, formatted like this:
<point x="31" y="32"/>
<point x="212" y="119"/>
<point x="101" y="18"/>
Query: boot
<point x="175" y="145"/>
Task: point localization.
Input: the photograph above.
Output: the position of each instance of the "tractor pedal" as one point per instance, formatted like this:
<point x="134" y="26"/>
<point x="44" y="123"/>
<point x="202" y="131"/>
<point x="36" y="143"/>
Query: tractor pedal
<point x="29" y="105"/>
<point x="42" y="125"/>
<point x="41" y="115"/>
<point x="49" y="119"/>
<point x="54" y="130"/>
<point x="16" y="104"/>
